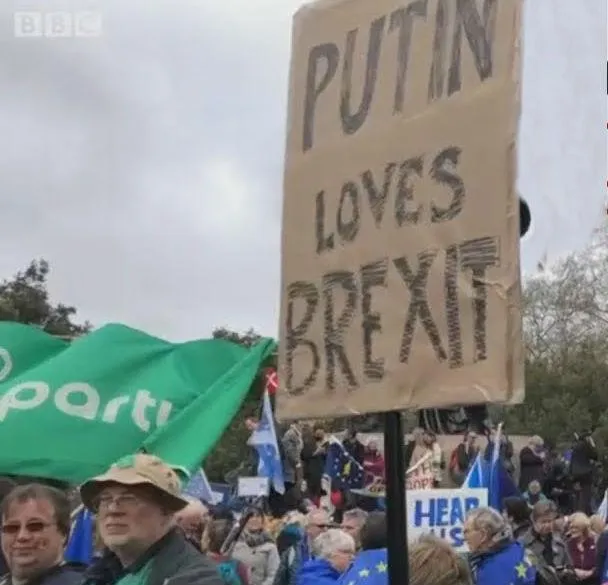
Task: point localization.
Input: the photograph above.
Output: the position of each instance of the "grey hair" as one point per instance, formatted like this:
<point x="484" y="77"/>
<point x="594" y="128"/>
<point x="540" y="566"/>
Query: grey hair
<point x="332" y="541"/>
<point x="356" y="514"/>
<point x="491" y="522"/>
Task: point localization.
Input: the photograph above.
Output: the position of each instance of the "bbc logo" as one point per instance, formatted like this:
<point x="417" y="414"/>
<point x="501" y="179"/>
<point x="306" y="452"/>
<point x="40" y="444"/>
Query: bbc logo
<point x="57" y="24"/>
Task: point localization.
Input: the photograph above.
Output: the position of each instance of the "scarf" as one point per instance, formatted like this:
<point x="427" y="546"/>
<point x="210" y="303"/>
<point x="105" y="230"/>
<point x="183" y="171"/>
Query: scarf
<point x="255" y="539"/>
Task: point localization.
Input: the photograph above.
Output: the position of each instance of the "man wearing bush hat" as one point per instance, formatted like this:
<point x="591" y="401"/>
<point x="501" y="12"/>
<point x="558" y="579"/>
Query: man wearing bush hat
<point x="135" y="502"/>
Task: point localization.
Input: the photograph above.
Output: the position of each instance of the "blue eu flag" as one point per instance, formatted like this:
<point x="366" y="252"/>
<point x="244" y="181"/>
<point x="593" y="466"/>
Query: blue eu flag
<point x="80" y="545"/>
<point x="345" y="471"/>
<point x="370" y="567"/>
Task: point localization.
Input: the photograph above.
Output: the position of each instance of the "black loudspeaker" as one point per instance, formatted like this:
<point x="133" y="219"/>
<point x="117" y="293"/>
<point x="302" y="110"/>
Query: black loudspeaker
<point x="525" y="217"/>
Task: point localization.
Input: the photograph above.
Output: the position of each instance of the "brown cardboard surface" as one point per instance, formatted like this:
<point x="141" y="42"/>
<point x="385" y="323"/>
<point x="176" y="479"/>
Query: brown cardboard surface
<point x="400" y="252"/>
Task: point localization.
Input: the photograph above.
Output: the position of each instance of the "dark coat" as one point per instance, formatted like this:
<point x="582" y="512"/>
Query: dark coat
<point x="174" y="562"/>
<point x="532" y="468"/>
<point x="65" y="574"/>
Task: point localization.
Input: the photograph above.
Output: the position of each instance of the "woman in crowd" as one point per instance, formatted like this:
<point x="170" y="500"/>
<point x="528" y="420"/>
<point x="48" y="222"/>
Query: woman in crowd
<point x="314" y="455"/>
<point x="598" y="525"/>
<point x="257" y="551"/>
<point x="232" y="571"/>
<point x="333" y="552"/>
<point x="582" y="548"/>
<point x="534" y="493"/>
<point x="434" y="562"/>
<point x="517" y="513"/>
<point x="532" y="463"/>
<point x="373" y="463"/>
<point x="496" y="559"/>
<point x="289" y="544"/>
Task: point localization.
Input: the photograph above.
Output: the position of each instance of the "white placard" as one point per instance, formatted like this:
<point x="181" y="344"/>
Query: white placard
<point x="442" y="513"/>
<point x="253" y="487"/>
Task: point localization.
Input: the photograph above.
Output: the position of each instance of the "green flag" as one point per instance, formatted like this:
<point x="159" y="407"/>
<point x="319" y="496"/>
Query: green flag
<point x="68" y="410"/>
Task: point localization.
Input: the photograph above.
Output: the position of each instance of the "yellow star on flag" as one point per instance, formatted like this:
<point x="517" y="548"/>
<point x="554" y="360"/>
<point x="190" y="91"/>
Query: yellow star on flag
<point x="522" y="570"/>
<point x="381" y="567"/>
<point x="364" y="573"/>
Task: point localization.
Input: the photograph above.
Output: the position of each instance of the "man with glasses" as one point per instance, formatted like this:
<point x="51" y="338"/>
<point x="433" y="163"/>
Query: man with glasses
<point x="352" y="522"/>
<point x="136" y="501"/>
<point x="35" y="529"/>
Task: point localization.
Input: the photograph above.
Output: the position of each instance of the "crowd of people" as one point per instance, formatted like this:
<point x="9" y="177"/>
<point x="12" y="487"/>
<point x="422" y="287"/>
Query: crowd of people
<point x="149" y="533"/>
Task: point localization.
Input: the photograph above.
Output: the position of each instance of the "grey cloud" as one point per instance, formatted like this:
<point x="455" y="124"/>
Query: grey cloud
<point x="109" y="145"/>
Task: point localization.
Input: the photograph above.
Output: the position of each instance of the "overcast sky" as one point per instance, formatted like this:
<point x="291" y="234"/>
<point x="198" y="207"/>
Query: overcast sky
<point x="146" y="165"/>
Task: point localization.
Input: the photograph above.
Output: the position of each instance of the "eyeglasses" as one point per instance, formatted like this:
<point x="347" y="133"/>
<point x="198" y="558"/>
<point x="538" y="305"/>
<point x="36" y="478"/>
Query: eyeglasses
<point x="120" y="501"/>
<point x="33" y="527"/>
<point x="321" y="526"/>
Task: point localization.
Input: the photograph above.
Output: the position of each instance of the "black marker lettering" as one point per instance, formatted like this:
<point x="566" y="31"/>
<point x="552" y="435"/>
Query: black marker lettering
<point x="451" y="307"/>
<point x="442" y="173"/>
<point x="372" y="275"/>
<point x="437" y="77"/>
<point x="377" y="199"/>
<point x="349" y="228"/>
<point x="402" y="19"/>
<point x="294" y="334"/>
<point x="324" y="242"/>
<point x="419" y="305"/>
<point x="329" y="53"/>
<point x="334" y="328"/>
<point x="477" y="255"/>
<point x="405" y="192"/>
<point x="352" y="122"/>
<point x="480" y="37"/>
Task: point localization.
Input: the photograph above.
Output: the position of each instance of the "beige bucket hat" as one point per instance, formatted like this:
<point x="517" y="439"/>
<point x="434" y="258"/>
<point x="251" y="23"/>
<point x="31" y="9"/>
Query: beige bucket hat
<point x="138" y="469"/>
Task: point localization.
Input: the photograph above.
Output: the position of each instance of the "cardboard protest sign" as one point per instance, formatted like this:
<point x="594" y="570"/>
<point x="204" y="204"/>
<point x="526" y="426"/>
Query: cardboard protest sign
<point x="401" y="276"/>
<point x="442" y="513"/>
<point x="421" y="476"/>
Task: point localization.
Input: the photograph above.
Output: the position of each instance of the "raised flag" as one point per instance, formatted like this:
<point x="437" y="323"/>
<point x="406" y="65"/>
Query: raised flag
<point x="264" y="439"/>
<point x="119" y="391"/>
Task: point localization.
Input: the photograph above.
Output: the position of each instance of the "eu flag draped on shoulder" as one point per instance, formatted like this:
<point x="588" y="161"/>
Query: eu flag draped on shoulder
<point x="344" y="470"/>
<point x="370" y="567"/>
<point x="264" y="439"/>
<point x="492" y="476"/>
<point x="80" y="546"/>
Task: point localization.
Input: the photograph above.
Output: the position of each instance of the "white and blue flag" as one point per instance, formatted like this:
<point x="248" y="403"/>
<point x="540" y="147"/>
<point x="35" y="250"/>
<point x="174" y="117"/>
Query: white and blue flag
<point x="264" y="439"/>
<point x="198" y="487"/>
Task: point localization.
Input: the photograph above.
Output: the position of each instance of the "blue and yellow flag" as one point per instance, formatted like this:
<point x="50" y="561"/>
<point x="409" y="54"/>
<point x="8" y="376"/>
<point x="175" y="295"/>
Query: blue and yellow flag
<point x="370" y="567"/>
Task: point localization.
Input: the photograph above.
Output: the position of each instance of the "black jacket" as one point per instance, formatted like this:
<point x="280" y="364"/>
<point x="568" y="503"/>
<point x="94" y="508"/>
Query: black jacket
<point x="531" y="468"/>
<point x="64" y="574"/>
<point x="174" y="562"/>
<point x="355" y="449"/>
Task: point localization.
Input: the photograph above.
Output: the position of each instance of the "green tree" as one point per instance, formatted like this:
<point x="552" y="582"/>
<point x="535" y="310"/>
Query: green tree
<point x="25" y="298"/>
<point x="566" y="336"/>
<point x="231" y="452"/>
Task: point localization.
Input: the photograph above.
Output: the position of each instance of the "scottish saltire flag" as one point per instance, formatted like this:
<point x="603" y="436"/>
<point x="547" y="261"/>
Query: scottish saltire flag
<point x="370" y="567"/>
<point x="198" y="487"/>
<point x="342" y="468"/>
<point x="476" y="476"/>
<point x="264" y="439"/>
<point x="81" y="544"/>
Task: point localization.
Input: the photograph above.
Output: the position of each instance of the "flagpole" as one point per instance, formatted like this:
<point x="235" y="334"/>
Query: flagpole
<point x="396" y="509"/>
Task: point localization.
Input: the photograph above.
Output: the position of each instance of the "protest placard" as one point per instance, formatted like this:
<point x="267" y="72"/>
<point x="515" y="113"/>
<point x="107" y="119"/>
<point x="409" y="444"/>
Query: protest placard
<point x="442" y="513"/>
<point x="400" y="252"/>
